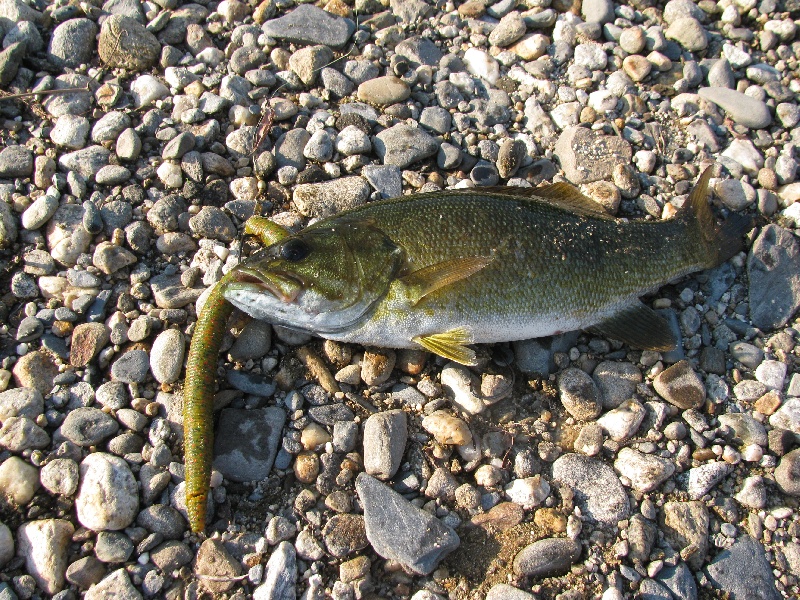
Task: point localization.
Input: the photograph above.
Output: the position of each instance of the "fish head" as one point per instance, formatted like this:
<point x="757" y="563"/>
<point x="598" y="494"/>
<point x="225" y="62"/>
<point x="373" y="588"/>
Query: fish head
<point x="324" y="279"/>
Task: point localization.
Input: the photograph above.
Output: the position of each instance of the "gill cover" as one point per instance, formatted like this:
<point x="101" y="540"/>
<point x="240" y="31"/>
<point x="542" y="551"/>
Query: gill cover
<point x="324" y="279"/>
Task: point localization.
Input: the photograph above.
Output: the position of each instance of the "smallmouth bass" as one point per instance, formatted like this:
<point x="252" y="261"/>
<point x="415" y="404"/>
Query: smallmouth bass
<point x="444" y="270"/>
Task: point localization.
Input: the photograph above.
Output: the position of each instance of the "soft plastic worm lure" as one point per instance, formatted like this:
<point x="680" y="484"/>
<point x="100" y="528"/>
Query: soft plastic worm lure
<point x="198" y="389"/>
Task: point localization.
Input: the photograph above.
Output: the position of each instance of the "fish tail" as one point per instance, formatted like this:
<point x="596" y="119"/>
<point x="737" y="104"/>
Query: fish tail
<point x="718" y="242"/>
<point x="198" y="401"/>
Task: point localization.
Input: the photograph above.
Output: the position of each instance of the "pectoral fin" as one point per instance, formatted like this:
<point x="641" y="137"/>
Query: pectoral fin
<point x="640" y="327"/>
<point x="450" y="344"/>
<point x="434" y="277"/>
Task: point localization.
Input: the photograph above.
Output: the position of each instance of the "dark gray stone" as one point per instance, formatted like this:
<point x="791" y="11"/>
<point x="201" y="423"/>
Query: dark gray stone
<point x="88" y="426"/>
<point x="773" y="268"/>
<point x="246" y="442"/>
<point x="73" y="43"/>
<point x="548" y="557"/>
<point x="308" y="24"/>
<point x="399" y="530"/>
<point x="598" y="491"/>
<point x="744" y="572"/>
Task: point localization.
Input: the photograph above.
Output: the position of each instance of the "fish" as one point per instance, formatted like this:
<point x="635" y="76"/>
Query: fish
<point x="442" y="271"/>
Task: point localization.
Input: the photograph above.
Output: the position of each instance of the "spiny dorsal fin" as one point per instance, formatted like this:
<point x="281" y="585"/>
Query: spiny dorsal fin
<point x="428" y="279"/>
<point x="640" y="327"/>
<point x="570" y="198"/>
<point x="450" y="344"/>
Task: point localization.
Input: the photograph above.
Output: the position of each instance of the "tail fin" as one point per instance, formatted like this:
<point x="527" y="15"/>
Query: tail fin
<point x="720" y="242"/>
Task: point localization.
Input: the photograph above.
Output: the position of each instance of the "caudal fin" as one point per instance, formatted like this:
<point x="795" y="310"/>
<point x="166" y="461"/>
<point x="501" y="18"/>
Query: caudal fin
<point x="720" y="242"/>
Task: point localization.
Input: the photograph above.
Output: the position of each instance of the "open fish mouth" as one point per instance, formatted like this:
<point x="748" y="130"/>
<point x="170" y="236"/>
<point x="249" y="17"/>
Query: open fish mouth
<point x="281" y="285"/>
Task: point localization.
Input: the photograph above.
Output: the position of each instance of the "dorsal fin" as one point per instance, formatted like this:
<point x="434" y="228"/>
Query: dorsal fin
<point x="560" y="194"/>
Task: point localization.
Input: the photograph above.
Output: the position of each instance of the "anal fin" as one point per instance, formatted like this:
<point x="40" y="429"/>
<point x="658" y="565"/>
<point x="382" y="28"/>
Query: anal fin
<point x="451" y="344"/>
<point x="640" y="327"/>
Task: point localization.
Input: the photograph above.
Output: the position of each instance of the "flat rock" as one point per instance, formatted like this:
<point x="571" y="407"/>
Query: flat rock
<point x="330" y="197"/>
<point x="598" y="490"/>
<point x="681" y="386"/>
<point x="400" y="531"/>
<point x="246" y="442"/>
<point x="744" y="572"/>
<point x="308" y="24"/>
<point x="402" y="145"/>
<point x="743" y="109"/>
<point x="15" y="161"/>
<point x="773" y="269"/>
<point x="587" y="156"/>
<point x="645" y="471"/>
<point x="547" y="558"/>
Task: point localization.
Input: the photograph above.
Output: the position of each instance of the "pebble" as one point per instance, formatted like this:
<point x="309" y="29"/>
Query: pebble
<point x="528" y="492"/>
<point x="108" y="498"/>
<point x="703" y="478"/>
<point x="43" y="545"/>
<point x="280" y="578"/>
<point x="645" y="471"/>
<point x="447" y="429"/>
<point x="214" y="561"/>
<point x="598" y="491"/>
<point x="787" y="473"/>
<point x="547" y="557"/>
<point x="586" y="156"/>
<point x="60" y="476"/>
<point x="623" y="422"/>
<point x="131" y="367"/>
<point x="15" y="161"/>
<point x="510" y="29"/>
<point x="88" y="339"/>
<point x="18" y="481"/>
<point x="425" y="540"/>
<point x="308" y="24"/>
<point x="403" y="145"/>
<point x="579" y="394"/>
<point x="384" y="91"/>
<point x="115" y="585"/>
<point x="385" y="436"/>
<point x="72" y="43"/>
<point x="743" y="109"/>
<point x="689" y="33"/>
<point x="377" y="365"/>
<point x="36" y="370"/>
<point x="680" y="386"/>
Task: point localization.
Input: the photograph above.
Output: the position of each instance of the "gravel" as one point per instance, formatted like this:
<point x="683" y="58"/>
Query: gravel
<point x="123" y="197"/>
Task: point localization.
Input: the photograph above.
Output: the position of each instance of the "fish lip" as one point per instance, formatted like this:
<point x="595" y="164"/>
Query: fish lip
<point x="251" y="276"/>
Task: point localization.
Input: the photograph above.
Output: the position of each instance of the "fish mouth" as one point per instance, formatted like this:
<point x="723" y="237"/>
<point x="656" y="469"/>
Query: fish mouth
<point x="283" y="286"/>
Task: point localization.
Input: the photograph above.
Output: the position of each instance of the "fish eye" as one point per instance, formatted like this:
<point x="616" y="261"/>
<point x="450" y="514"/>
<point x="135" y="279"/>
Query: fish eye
<point x="294" y="250"/>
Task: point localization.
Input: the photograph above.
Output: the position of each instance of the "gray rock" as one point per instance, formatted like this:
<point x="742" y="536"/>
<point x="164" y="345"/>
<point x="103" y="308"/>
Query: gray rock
<point x="15" y="161"/>
<point x="787" y="474"/>
<point x="88" y="426"/>
<point x="308" y="24"/>
<point x="597" y="11"/>
<point x="43" y="545"/>
<point x="399" y="530"/>
<point x="211" y="222"/>
<point x="720" y="75"/>
<point x="681" y="386"/>
<point x="385" y="435"/>
<point x="579" y="394"/>
<point x="386" y="179"/>
<point x="503" y="591"/>
<point x="169" y="292"/>
<point x="60" y="476"/>
<point x="703" y="478"/>
<point x="679" y="581"/>
<point x="384" y="91"/>
<point x="419" y="51"/>
<point x="289" y="149"/>
<point x="20" y="433"/>
<point x="598" y="490"/>
<point x="86" y="161"/>
<point x="131" y="367"/>
<point x="171" y="555"/>
<point x="746" y="428"/>
<point x="21" y="402"/>
<point x="402" y="145"/>
<point x="125" y="43"/>
<point x="280" y="579"/>
<point x="108" y="497"/>
<point x="308" y="61"/>
<point x="547" y="558"/>
<point x="510" y="29"/>
<point x="163" y="520"/>
<point x="115" y="585"/>
<point x="253" y="342"/>
<point x="743" y="109"/>
<point x="8" y="224"/>
<point x="10" y="61"/>
<point x="247" y="442"/>
<point x="587" y="156"/>
<point x="773" y="268"/>
<point x="113" y="547"/>
<point x="645" y="471"/>
<point x="744" y="572"/>
<point x="72" y="43"/>
<point x="689" y="33"/>
<point x="330" y="197"/>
